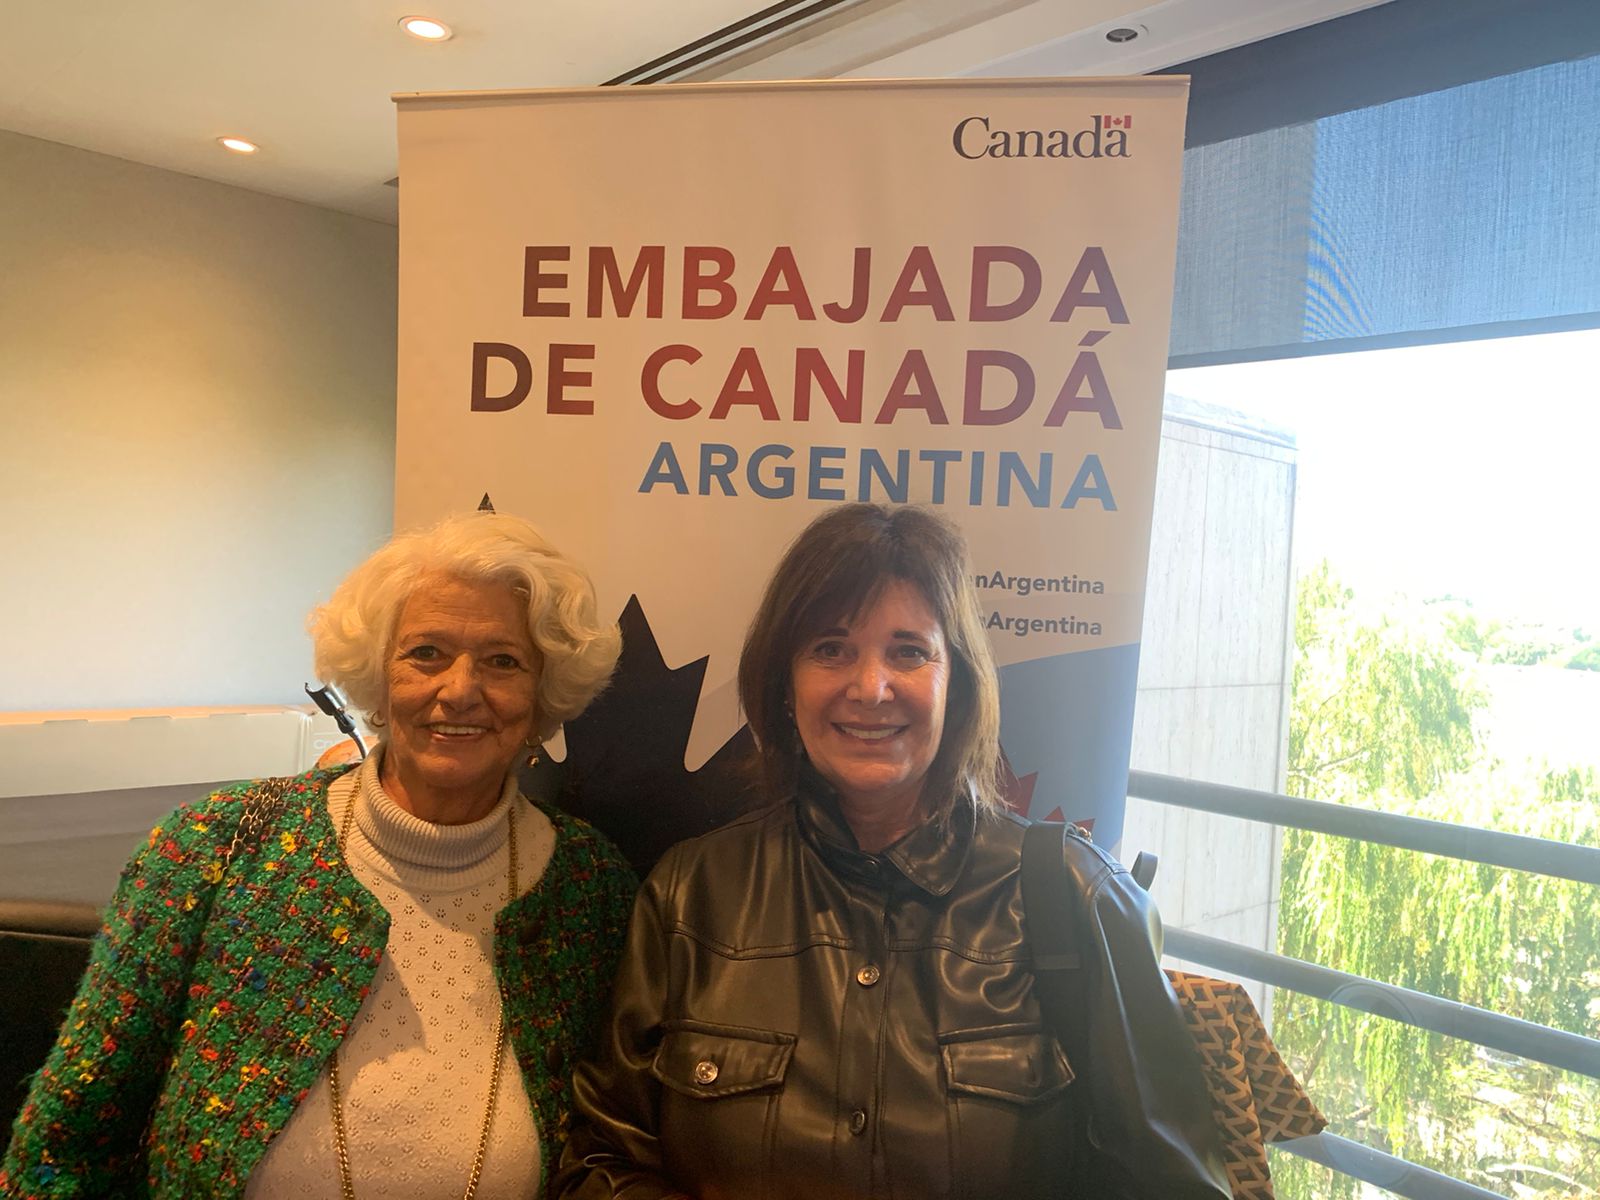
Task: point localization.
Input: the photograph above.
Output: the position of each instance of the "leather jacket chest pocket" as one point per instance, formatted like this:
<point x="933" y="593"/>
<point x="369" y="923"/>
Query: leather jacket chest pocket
<point x="721" y="1086"/>
<point x="1007" y="1091"/>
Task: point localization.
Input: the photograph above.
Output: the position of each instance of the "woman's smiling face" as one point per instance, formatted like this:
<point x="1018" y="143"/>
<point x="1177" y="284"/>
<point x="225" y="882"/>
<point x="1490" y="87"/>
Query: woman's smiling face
<point x="869" y="699"/>
<point x="462" y="680"/>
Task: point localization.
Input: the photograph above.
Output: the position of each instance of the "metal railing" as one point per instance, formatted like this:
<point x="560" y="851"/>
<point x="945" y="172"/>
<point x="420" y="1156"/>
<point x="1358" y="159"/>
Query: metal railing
<point x="1537" y="856"/>
<point x="1526" y="1039"/>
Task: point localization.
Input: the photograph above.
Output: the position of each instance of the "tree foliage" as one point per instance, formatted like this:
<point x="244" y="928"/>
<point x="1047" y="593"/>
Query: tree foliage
<point x="1380" y="705"/>
<point x="1586" y="659"/>
<point x="1382" y="716"/>
<point x="1515" y="643"/>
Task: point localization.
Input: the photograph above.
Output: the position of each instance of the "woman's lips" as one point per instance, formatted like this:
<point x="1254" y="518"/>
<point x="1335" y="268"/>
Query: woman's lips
<point x="869" y="733"/>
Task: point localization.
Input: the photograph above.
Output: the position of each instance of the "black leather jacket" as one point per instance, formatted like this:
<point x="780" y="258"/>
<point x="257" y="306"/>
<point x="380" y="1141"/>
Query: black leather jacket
<point x="796" y="1018"/>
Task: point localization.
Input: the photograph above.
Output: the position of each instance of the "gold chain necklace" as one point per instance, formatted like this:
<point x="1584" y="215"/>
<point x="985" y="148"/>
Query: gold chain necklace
<point x="340" y="1145"/>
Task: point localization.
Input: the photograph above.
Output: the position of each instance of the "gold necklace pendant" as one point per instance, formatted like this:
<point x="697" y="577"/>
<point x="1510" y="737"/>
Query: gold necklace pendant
<point x="341" y="1146"/>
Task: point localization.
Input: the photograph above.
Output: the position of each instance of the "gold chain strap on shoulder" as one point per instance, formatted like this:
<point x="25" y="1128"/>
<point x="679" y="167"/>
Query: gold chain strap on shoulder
<point x="263" y="803"/>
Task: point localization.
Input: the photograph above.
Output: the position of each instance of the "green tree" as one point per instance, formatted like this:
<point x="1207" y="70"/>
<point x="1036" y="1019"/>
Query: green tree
<point x="1382" y="716"/>
<point x="1515" y="643"/>
<point x="1380" y="703"/>
<point x="1586" y="659"/>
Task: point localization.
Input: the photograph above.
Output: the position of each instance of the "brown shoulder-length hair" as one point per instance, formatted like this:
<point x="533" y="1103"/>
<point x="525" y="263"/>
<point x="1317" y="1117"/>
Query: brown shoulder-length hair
<point x="833" y="572"/>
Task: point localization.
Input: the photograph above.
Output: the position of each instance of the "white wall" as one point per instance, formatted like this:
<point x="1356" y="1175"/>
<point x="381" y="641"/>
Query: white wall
<point x="196" y="429"/>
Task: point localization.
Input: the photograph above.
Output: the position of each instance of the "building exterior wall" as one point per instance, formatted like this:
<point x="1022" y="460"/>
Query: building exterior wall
<point x="1214" y="671"/>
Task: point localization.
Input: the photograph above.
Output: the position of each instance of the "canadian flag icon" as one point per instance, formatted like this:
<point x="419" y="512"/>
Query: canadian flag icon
<point x="1123" y="122"/>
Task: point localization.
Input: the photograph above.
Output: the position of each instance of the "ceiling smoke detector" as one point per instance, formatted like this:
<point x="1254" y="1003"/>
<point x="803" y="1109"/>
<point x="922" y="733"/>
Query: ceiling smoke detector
<point x="1125" y="33"/>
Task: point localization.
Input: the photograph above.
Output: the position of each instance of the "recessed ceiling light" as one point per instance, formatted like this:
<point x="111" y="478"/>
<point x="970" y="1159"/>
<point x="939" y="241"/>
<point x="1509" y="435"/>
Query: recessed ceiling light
<point x="426" y="29"/>
<point x="238" y="145"/>
<point x="1125" y="33"/>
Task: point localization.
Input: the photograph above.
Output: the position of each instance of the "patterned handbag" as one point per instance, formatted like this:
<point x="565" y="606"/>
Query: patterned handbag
<point x="1255" y="1097"/>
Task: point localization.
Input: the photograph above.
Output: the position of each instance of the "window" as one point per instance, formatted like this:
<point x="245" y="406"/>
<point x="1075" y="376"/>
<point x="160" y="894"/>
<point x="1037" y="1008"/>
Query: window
<point x="1444" y="662"/>
<point x="1370" y="582"/>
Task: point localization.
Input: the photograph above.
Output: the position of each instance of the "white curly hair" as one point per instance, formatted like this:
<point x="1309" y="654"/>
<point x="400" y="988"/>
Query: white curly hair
<point x="353" y="634"/>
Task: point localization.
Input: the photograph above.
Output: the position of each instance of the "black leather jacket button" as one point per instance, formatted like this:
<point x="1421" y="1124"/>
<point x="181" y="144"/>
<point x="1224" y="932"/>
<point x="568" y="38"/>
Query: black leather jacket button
<point x="858" y="1122"/>
<point x="868" y="975"/>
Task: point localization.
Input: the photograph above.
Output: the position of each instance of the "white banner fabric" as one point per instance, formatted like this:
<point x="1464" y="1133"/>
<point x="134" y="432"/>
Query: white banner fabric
<point x="671" y="325"/>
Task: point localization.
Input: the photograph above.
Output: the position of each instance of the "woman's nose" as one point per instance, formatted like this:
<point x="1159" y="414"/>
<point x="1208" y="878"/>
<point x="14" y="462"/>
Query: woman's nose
<point x="870" y="685"/>
<point x="459" y="681"/>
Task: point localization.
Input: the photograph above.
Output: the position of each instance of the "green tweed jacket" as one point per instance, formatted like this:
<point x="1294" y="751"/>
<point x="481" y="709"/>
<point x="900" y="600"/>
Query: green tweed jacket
<point x="214" y="997"/>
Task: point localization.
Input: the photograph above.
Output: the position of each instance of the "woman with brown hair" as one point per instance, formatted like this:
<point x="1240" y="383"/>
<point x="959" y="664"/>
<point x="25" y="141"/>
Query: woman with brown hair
<point x="834" y="997"/>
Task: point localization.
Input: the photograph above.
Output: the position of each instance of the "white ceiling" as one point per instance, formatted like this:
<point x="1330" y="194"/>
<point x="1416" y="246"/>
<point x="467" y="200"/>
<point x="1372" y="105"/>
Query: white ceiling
<point x="309" y="80"/>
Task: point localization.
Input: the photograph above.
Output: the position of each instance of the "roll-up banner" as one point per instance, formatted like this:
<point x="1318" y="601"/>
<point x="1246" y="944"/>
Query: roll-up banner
<point x="672" y="325"/>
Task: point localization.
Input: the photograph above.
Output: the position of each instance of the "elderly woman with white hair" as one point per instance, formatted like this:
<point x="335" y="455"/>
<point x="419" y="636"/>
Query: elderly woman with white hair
<point x="361" y="982"/>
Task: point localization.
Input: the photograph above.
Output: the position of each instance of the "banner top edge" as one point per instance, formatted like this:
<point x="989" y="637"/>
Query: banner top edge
<point x="1137" y="82"/>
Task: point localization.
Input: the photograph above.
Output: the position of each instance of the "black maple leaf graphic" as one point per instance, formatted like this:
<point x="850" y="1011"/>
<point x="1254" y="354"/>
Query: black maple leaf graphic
<point x="624" y="771"/>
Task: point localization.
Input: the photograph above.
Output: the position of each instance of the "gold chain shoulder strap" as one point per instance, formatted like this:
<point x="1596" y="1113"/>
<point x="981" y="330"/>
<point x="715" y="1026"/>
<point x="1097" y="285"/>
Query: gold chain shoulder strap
<point x="262" y="804"/>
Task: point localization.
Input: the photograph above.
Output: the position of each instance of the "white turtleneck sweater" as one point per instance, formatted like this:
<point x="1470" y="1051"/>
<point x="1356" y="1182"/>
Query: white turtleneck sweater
<point x="414" y="1067"/>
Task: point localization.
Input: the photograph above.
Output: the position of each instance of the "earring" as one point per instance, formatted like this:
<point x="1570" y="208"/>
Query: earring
<point x="535" y="748"/>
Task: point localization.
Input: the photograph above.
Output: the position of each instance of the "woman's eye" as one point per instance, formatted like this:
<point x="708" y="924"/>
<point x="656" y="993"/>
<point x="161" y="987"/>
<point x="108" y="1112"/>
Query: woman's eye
<point x="828" y="651"/>
<point x="912" y="653"/>
<point x="423" y="653"/>
<point x="504" y="662"/>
